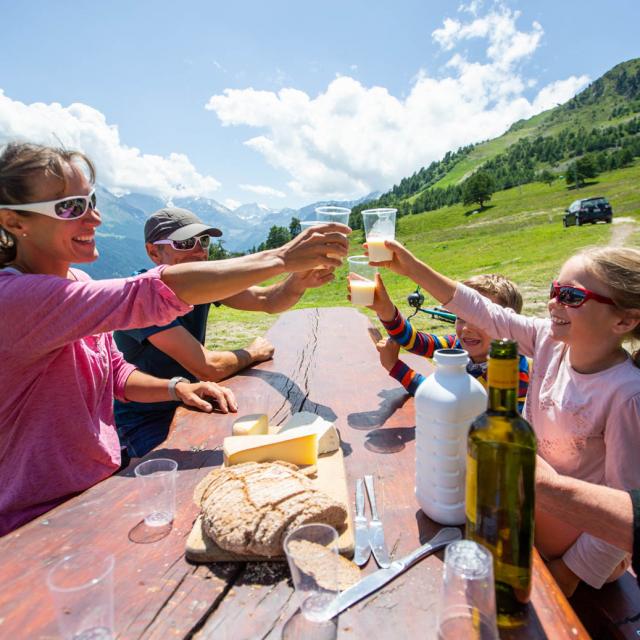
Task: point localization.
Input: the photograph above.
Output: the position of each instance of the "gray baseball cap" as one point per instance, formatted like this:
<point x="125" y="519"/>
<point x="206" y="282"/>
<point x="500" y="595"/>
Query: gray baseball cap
<point x="173" y="223"/>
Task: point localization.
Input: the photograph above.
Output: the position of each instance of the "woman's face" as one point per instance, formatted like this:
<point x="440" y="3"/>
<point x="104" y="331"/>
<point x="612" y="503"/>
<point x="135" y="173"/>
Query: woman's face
<point x="50" y="241"/>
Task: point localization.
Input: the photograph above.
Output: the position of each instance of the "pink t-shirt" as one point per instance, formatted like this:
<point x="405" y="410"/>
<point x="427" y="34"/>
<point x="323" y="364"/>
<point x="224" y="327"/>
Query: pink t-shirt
<point x="60" y="372"/>
<point x="587" y="425"/>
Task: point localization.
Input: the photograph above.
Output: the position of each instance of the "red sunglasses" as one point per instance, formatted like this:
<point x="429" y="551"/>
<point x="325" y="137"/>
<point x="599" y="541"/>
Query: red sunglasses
<point x="571" y="296"/>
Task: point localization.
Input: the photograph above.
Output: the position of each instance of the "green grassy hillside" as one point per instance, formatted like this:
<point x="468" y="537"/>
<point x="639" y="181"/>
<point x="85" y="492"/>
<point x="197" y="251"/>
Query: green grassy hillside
<point x="520" y="235"/>
<point x="610" y="100"/>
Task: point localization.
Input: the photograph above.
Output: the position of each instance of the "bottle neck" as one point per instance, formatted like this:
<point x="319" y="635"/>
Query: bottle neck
<point x="502" y="387"/>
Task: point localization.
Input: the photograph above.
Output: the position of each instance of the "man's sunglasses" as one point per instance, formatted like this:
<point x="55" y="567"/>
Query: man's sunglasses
<point x="188" y="244"/>
<point x="68" y="208"/>
<point x="571" y="296"/>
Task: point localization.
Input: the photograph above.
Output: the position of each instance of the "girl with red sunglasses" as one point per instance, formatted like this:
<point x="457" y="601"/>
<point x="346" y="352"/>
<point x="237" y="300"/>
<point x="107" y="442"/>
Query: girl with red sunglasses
<point x="584" y="396"/>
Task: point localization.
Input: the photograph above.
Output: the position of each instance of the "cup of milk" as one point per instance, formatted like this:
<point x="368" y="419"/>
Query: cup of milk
<point x="379" y="225"/>
<point x="362" y="280"/>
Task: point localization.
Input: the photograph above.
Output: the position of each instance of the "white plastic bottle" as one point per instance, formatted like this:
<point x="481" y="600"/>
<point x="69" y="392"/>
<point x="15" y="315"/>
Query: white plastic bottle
<point x="446" y="404"/>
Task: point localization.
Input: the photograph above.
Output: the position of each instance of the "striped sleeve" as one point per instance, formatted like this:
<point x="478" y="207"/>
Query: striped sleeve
<point x="423" y="344"/>
<point x="523" y="381"/>
<point x="406" y="376"/>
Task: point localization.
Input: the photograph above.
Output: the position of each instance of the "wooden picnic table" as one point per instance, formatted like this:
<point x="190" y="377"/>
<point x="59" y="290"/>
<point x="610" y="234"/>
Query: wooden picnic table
<point x="325" y="362"/>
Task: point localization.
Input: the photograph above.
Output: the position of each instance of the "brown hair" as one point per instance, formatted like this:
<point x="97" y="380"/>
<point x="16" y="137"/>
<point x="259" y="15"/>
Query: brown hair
<point x="619" y="269"/>
<point x="505" y="292"/>
<point x="20" y="165"/>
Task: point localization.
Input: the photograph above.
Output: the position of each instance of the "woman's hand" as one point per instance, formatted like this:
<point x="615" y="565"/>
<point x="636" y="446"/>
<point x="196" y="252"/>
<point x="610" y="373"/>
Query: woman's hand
<point x="402" y="259"/>
<point x="192" y="395"/>
<point x="321" y="246"/>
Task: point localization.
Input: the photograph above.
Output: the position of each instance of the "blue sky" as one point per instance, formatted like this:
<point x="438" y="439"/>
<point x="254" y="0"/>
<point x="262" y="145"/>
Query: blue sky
<point x="285" y="103"/>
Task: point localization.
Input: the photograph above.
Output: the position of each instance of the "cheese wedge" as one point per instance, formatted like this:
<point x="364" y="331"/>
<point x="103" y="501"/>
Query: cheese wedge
<point x="298" y="447"/>
<point x="328" y="438"/>
<point x="251" y="425"/>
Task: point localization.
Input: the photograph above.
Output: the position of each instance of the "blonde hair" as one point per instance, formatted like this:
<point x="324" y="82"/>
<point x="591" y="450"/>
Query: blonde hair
<point x="21" y="164"/>
<point x="505" y="292"/>
<point x="619" y="269"/>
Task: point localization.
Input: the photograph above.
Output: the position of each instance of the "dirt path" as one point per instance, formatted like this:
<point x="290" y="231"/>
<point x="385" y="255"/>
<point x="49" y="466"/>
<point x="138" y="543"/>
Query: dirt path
<point x="623" y="228"/>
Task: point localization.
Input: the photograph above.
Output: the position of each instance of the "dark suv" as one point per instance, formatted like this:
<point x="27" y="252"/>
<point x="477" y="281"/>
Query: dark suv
<point x="587" y="210"/>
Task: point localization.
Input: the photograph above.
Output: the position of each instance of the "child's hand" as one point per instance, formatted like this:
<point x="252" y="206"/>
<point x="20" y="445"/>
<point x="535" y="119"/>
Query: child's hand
<point x="382" y="304"/>
<point x="401" y="261"/>
<point x="388" y="350"/>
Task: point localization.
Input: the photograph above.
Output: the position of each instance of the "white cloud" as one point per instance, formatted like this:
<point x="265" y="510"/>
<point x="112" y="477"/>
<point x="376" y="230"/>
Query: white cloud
<point x="120" y="168"/>
<point x="352" y="139"/>
<point x="473" y="7"/>
<point x="262" y="190"/>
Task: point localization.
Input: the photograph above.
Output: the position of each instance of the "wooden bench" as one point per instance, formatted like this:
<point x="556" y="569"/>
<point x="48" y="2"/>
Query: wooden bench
<point x="326" y="363"/>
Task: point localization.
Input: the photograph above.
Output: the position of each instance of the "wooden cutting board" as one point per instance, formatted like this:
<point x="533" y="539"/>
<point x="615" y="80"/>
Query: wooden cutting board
<point x="331" y="478"/>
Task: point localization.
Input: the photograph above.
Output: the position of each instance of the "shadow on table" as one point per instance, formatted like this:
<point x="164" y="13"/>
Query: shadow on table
<point x="299" y="627"/>
<point x="389" y="439"/>
<point x="392" y="400"/>
<point x="427" y="528"/>
<point x="185" y="459"/>
<point x="144" y="534"/>
<point x="291" y="393"/>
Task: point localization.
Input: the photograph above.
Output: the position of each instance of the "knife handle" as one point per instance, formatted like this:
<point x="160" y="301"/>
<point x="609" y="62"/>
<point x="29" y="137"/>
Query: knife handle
<point x="444" y="537"/>
<point x="359" y="498"/>
<point x="368" y="480"/>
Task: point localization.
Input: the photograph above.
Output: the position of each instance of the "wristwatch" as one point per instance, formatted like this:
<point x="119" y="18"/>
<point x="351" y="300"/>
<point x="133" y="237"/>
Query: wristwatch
<point x="172" y="387"/>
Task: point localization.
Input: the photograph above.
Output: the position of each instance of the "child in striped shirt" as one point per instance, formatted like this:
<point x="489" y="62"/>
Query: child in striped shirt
<point x="467" y="336"/>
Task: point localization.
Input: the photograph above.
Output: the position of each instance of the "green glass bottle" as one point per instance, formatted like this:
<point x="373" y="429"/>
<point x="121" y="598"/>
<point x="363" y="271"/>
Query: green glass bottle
<point x="501" y="458"/>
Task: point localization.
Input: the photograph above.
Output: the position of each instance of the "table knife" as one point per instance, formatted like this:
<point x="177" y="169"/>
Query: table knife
<point x="363" y="550"/>
<point x="379" y="578"/>
<point x="376" y="532"/>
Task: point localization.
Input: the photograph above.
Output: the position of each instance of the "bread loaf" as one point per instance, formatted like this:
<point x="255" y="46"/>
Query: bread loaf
<point x="250" y="508"/>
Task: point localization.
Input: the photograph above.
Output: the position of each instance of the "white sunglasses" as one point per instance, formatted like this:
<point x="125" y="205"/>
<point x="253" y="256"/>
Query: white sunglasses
<point x="68" y="208"/>
<point x="188" y="244"/>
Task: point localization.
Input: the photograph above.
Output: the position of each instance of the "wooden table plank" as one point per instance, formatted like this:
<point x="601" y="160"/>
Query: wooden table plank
<point x="325" y="362"/>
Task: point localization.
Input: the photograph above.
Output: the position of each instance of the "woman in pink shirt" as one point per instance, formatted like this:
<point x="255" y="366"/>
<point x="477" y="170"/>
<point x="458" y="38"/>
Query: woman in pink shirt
<point x="584" y="395"/>
<point x="60" y="368"/>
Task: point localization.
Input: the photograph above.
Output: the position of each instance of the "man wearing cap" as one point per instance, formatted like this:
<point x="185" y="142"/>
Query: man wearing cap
<point x="173" y="236"/>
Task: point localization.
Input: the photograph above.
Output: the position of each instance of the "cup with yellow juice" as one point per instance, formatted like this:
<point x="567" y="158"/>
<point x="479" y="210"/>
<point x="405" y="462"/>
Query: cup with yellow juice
<point x="362" y="280"/>
<point x="379" y="225"/>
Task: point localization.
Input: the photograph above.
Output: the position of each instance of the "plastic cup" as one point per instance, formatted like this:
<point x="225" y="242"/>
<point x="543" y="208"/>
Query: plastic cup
<point x="333" y="214"/>
<point x="312" y="554"/>
<point x="81" y="587"/>
<point x="468" y="602"/>
<point x="362" y="280"/>
<point x="379" y="225"/>
<point x="306" y="224"/>
<point x="157" y="490"/>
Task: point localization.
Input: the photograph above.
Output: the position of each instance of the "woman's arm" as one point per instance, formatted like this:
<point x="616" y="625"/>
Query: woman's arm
<point x="202" y="282"/>
<point x="141" y="387"/>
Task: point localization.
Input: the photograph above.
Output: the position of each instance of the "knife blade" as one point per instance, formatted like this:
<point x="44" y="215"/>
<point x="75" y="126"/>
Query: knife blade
<point x="376" y="532"/>
<point x="363" y="550"/>
<point x="379" y="578"/>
